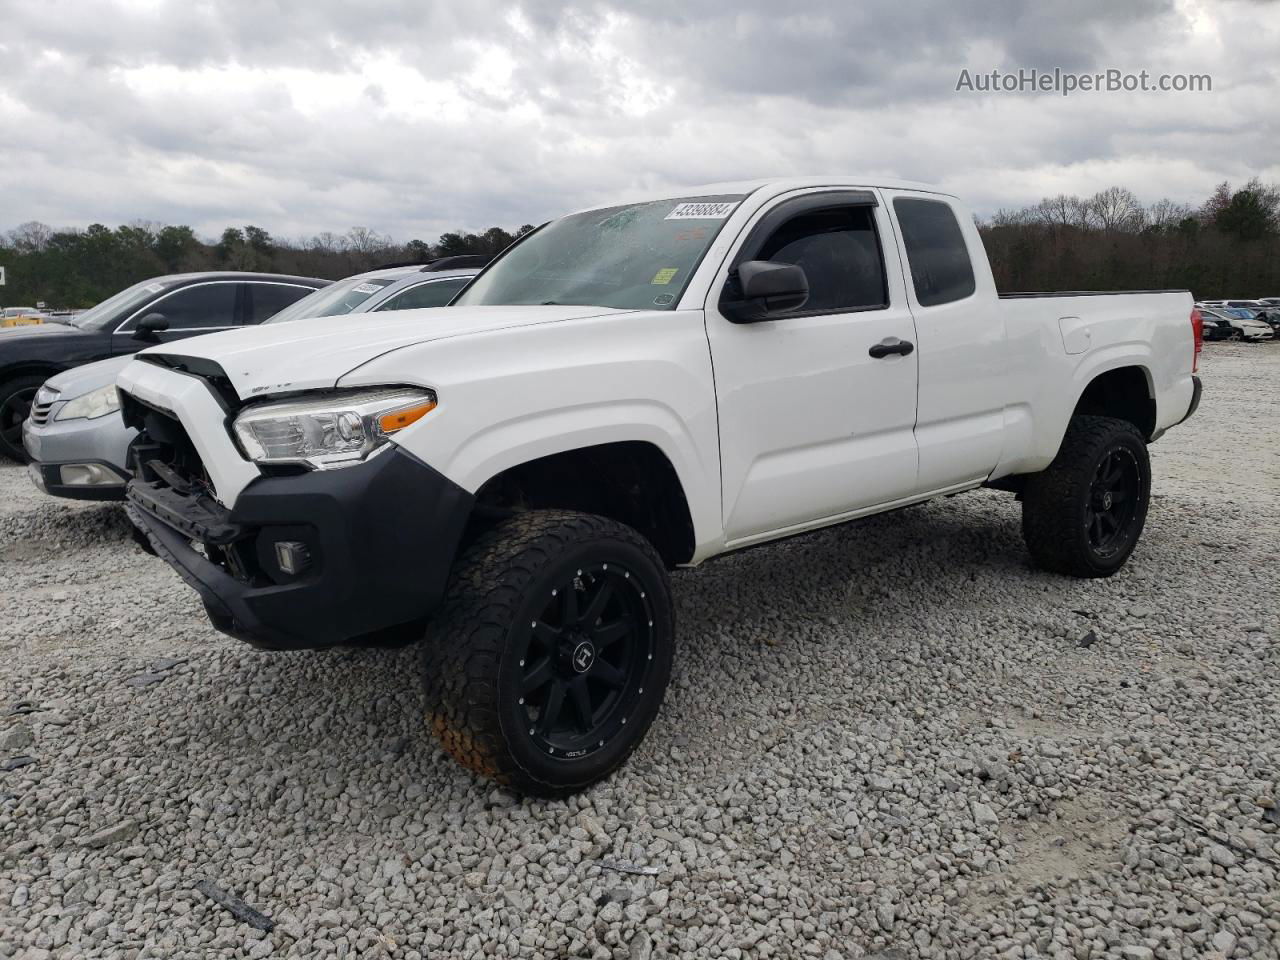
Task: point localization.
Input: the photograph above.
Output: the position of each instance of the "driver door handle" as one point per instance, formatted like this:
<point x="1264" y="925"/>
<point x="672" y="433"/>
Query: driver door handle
<point x="890" y="346"/>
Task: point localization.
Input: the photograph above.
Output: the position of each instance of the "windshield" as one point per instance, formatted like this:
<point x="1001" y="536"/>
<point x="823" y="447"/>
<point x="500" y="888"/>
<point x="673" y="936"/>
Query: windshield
<point x="333" y="300"/>
<point x="1240" y="313"/>
<point x="635" y="257"/>
<point x="114" y="309"/>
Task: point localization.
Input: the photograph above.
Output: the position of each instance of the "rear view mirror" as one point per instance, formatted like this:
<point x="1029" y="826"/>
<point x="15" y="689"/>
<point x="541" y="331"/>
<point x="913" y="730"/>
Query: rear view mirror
<point x="150" y="325"/>
<point x="765" y="291"/>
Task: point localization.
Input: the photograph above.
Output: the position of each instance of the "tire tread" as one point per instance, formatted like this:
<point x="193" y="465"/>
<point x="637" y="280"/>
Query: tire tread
<point x="1049" y="520"/>
<point x="462" y="653"/>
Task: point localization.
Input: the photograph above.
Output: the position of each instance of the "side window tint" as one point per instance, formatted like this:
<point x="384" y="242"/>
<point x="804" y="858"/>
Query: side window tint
<point x="206" y="305"/>
<point x="270" y="298"/>
<point x="939" y="261"/>
<point x="435" y="293"/>
<point x="840" y="254"/>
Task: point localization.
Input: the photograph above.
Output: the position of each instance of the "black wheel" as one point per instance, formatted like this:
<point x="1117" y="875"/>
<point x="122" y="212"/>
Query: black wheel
<point x="551" y="654"/>
<point x="1083" y="515"/>
<point x="16" y="397"/>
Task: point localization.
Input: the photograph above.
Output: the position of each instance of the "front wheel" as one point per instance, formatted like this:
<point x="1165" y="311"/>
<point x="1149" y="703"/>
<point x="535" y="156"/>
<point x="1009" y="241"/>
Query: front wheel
<point x="550" y="656"/>
<point x="16" y="397"/>
<point x="1082" y="516"/>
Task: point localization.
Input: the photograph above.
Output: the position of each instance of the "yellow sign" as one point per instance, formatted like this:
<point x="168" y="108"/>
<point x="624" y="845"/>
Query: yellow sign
<point x="20" y="321"/>
<point x="664" y="275"/>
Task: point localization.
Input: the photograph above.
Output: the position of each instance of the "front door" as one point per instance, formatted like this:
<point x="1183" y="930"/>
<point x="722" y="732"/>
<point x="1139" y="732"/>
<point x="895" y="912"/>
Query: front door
<point x="204" y="307"/>
<point x="816" y="420"/>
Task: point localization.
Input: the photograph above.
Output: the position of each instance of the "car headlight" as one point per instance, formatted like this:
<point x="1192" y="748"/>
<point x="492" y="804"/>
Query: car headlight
<point x="332" y="430"/>
<point x="91" y="405"/>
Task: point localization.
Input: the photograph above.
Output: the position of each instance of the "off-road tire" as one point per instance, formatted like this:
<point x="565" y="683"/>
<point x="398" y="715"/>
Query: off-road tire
<point x="469" y="656"/>
<point x="1056" y="502"/>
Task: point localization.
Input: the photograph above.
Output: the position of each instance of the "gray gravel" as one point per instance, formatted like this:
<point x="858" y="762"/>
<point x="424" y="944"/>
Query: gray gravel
<point x="894" y="739"/>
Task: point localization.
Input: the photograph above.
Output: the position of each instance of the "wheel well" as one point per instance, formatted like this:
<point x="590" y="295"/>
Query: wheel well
<point x="632" y="482"/>
<point x="1125" y="394"/>
<point x="29" y="370"/>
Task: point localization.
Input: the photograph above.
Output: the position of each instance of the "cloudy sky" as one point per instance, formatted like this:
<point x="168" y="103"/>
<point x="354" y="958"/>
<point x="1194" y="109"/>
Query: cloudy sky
<point x="413" y="117"/>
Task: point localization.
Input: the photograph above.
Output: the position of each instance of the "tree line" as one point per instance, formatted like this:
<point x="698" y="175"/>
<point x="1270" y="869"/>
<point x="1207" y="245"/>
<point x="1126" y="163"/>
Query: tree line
<point x="1228" y="246"/>
<point x="78" y="268"/>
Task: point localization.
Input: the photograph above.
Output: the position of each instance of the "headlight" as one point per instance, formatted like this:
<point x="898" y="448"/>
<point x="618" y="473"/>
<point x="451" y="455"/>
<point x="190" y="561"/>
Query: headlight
<point x="90" y="406"/>
<point x="334" y="430"/>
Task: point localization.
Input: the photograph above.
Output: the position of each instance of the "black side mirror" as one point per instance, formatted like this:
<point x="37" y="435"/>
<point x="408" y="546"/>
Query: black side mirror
<point x="149" y="326"/>
<point x="764" y="291"/>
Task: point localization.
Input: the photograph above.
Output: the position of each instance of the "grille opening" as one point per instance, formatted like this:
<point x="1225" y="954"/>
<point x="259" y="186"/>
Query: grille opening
<point x="42" y="406"/>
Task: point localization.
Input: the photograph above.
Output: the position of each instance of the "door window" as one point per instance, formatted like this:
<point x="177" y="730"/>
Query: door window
<point x="936" y="253"/>
<point x="204" y="306"/>
<point x="434" y="293"/>
<point x="840" y="253"/>
<point x="270" y="298"/>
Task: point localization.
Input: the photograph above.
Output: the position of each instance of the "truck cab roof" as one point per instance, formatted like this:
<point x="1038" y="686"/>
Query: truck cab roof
<point x="774" y="186"/>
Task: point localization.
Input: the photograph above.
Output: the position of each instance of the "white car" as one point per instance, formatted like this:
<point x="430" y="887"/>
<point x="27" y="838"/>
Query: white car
<point x="626" y="390"/>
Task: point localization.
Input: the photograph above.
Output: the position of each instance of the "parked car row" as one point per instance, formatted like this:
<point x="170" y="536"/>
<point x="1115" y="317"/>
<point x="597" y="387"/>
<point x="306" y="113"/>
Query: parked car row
<point x="1245" y="320"/>
<point x="79" y="447"/>
<point x="153" y="311"/>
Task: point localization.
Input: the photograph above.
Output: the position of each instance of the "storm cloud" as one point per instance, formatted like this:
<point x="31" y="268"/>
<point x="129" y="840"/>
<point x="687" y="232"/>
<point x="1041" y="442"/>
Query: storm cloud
<point x="416" y="118"/>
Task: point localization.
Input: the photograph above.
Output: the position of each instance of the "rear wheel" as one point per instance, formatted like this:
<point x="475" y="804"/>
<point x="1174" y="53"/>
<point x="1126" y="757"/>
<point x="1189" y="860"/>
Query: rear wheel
<point x="1083" y="515"/>
<point x="16" y="397"/>
<point x="551" y="654"/>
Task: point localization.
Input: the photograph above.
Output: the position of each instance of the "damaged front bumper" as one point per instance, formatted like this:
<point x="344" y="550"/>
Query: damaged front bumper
<point x="312" y="559"/>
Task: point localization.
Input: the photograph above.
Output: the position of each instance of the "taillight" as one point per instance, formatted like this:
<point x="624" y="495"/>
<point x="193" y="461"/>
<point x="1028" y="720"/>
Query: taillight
<point x="1197" y="334"/>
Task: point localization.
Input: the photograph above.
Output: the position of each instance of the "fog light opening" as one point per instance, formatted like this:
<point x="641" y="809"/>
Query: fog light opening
<point x="88" y="475"/>
<point x="292" y="556"/>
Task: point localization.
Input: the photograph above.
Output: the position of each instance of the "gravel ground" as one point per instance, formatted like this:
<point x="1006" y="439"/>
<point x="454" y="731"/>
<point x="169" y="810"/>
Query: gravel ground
<point x="892" y="739"/>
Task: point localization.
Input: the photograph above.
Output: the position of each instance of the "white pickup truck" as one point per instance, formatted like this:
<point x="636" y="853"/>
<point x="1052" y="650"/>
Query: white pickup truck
<point x="624" y="391"/>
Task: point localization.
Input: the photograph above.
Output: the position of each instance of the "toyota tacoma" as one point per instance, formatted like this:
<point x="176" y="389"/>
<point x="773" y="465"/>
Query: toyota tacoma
<point x="624" y="391"/>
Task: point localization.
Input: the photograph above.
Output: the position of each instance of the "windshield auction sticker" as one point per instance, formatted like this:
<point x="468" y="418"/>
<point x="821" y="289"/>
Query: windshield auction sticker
<point x="701" y="211"/>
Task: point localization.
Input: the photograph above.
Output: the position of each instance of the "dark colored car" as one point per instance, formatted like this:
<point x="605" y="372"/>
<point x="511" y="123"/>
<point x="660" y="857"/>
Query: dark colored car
<point x="154" y="311"/>
<point x="1217" y="328"/>
<point x="1270" y="315"/>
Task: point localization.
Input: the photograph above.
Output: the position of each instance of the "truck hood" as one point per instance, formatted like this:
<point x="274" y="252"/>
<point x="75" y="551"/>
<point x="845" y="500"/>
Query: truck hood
<point x="315" y="353"/>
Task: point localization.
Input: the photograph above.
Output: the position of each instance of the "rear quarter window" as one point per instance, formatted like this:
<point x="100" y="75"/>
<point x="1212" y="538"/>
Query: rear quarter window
<point x="936" y="253"/>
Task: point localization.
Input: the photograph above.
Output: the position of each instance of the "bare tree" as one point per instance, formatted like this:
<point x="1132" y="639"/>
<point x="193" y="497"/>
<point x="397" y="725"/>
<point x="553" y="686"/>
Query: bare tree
<point x="1005" y="217"/>
<point x="1116" y="209"/>
<point x="31" y="237"/>
<point x="328" y="241"/>
<point x="1059" y="211"/>
<point x="1166" y="214"/>
<point x="363" y="240"/>
<point x="1218" y="201"/>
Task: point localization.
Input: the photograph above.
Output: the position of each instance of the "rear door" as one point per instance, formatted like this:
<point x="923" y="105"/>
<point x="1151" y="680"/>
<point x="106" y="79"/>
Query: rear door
<point x="267" y="298"/>
<point x="960" y="421"/>
<point x="812" y="425"/>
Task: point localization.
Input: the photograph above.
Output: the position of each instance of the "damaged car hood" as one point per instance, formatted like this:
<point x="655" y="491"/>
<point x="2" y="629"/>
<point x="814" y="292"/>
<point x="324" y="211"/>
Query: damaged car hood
<point x="315" y="353"/>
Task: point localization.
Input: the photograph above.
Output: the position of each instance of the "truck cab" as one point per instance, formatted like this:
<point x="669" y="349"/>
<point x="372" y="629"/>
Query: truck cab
<point x="627" y="390"/>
